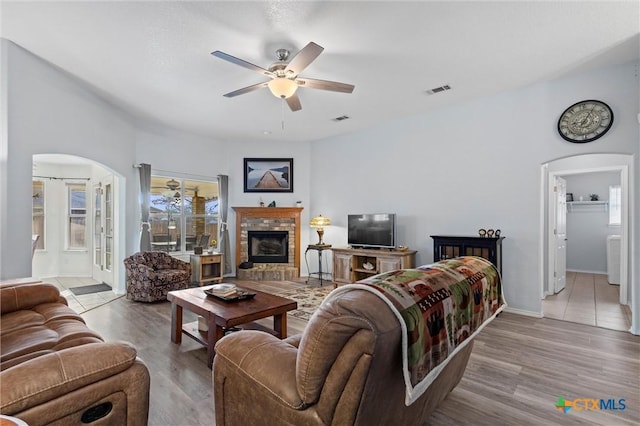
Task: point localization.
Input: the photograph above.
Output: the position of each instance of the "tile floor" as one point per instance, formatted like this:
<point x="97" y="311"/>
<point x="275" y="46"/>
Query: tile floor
<point x="81" y="303"/>
<point x="589" y="299"/>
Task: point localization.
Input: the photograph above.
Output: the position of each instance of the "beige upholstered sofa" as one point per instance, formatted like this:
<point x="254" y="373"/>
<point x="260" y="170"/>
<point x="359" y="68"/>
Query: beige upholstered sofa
<point x="152" y="274"/>
<point x="55" y="370"/>
<point x="345" y="369"/>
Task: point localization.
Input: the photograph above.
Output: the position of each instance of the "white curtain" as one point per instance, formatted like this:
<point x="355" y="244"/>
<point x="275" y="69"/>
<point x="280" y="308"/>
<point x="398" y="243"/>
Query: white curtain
<point x="223" y="208"/>
<point x="145" y="203"/>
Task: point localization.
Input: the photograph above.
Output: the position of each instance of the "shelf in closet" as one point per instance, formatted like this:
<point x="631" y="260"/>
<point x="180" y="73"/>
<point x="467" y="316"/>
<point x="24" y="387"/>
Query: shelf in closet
<point x="585" y="206"/>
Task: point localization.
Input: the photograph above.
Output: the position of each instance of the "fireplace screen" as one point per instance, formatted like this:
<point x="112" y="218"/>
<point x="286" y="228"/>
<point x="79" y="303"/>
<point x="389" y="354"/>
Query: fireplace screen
<point x="268" y="246"/>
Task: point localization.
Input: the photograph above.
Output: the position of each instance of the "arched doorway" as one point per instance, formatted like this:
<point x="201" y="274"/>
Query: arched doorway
<point x="551" y="171"/>
<point x="82" y="211"/>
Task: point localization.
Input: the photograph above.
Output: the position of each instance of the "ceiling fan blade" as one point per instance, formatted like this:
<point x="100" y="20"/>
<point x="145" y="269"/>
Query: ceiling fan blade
<point x="246" y="89"/>
<point x="242" y="63"/>
<point x="334" y="86"/>
<point x="303" y="58"/>
<point x="294" y="102"/>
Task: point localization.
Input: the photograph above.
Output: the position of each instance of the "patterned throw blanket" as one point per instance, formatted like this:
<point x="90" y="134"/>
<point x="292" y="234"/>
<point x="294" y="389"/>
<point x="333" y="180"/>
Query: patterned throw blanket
<point x="440" y="308"/>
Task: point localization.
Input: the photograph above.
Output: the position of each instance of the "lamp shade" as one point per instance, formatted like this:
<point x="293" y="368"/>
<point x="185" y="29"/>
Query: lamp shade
<point x="320" y="221"/>
<point x="282" y="87"/>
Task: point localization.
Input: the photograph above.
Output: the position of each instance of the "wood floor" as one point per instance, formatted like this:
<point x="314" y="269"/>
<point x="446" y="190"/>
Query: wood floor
<point x="519" y="368"/>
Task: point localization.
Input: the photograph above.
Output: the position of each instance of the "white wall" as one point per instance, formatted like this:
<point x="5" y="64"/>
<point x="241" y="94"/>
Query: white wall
<point x="49" y="111"/>
<point x="471" y="166"/>
<point x="588" y="226"/>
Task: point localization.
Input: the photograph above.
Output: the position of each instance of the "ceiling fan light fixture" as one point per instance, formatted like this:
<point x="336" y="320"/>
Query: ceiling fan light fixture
<point x="173" y="184"/>
<point x="282" y="87"/>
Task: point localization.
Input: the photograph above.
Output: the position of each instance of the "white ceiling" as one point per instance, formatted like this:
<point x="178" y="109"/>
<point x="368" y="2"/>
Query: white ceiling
<point x="153" y="58"/>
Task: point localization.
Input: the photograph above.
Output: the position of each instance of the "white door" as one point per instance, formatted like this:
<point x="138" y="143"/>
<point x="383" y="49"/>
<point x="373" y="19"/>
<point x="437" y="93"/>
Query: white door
<point x="103" y="230"/>
<point x="560" y="235"/>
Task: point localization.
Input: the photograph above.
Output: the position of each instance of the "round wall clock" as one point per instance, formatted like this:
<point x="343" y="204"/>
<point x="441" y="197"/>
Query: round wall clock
<point x="585" y="121"/>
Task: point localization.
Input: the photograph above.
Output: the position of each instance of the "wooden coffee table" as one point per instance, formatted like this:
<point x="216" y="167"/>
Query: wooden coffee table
<point x="221" y="315"/>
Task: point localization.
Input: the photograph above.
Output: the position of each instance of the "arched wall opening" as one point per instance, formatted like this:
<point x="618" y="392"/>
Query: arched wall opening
<point x="622" y="163"/>
<point x="104" y="220"/>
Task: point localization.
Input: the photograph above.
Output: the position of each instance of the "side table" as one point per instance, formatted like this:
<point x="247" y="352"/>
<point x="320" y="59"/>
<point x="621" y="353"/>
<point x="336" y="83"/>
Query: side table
<point x="206" y="268"/>
<point x="319" y="248"/>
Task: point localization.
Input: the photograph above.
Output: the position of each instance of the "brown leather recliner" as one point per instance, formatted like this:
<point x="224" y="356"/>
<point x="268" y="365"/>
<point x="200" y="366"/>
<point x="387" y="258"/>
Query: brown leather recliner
<point x="345" y="369"/>
<point x="55" y="370"/>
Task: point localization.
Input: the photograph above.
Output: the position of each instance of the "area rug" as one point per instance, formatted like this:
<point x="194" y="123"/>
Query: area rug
<point x="308" y="298"/>
<point x="89" y="289"/>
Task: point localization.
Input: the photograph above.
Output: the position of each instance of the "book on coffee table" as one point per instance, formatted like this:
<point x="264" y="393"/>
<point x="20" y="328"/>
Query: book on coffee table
<point x="222" y="290"/>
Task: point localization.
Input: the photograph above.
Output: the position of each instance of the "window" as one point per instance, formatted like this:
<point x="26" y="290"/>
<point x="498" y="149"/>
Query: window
<point x="184" y="213"/>
<point x="37" y="212"/>
<point x="615" y="205"/>
<point x="77" y="216"/>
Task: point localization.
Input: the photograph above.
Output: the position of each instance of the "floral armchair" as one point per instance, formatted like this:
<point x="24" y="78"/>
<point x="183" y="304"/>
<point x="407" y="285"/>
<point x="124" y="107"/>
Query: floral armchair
<point x="152" y="274"/>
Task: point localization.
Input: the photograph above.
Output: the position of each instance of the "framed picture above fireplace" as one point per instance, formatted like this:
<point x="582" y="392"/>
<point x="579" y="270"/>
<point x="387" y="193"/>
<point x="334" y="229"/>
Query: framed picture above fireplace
<point x="268" y="175"/>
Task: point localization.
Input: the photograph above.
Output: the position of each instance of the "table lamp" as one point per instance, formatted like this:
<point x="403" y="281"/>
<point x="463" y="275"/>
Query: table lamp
<point x="319" y="222"/>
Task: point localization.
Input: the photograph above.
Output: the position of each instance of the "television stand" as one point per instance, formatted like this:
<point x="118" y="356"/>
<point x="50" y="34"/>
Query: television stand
<point x="354" y="264"/>
<point x="387" y="249"/>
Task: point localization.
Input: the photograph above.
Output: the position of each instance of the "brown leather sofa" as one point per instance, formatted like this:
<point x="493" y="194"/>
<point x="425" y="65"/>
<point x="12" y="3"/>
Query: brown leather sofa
<point x="55" y="371"/>
<point x="345" y="369"/>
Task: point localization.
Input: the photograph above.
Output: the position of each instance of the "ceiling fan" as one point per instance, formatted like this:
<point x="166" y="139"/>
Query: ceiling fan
<point x="170" y="189"/>
<point x="284" y="75"/>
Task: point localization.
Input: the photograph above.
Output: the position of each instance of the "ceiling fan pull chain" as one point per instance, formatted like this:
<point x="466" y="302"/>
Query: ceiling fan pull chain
<point x="282" y="110"/>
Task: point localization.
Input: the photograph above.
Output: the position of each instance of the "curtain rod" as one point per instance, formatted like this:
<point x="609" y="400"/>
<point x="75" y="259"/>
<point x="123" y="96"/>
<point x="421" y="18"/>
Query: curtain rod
<point x="61" y="178"/>
<point x="170" y="173"/>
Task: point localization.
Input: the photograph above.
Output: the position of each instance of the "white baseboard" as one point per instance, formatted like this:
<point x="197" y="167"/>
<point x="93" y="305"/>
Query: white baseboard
<point x="523" y="312"/>
<point x="587" y="272"/>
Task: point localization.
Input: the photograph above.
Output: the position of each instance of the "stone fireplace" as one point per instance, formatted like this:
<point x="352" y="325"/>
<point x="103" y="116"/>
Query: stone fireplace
<point x="260" y="233"/>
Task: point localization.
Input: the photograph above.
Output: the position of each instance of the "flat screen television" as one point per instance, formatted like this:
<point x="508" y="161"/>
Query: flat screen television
<point x="376" y="230"/>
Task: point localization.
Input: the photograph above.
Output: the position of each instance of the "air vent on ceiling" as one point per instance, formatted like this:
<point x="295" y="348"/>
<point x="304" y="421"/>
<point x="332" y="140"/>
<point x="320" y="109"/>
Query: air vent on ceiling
<point x="341" y="118"/>
<point x="438" y="89"/>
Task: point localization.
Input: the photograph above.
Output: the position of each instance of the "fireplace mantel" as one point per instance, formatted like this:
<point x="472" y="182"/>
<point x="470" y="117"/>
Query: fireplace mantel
<point x="267" y="213"/>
